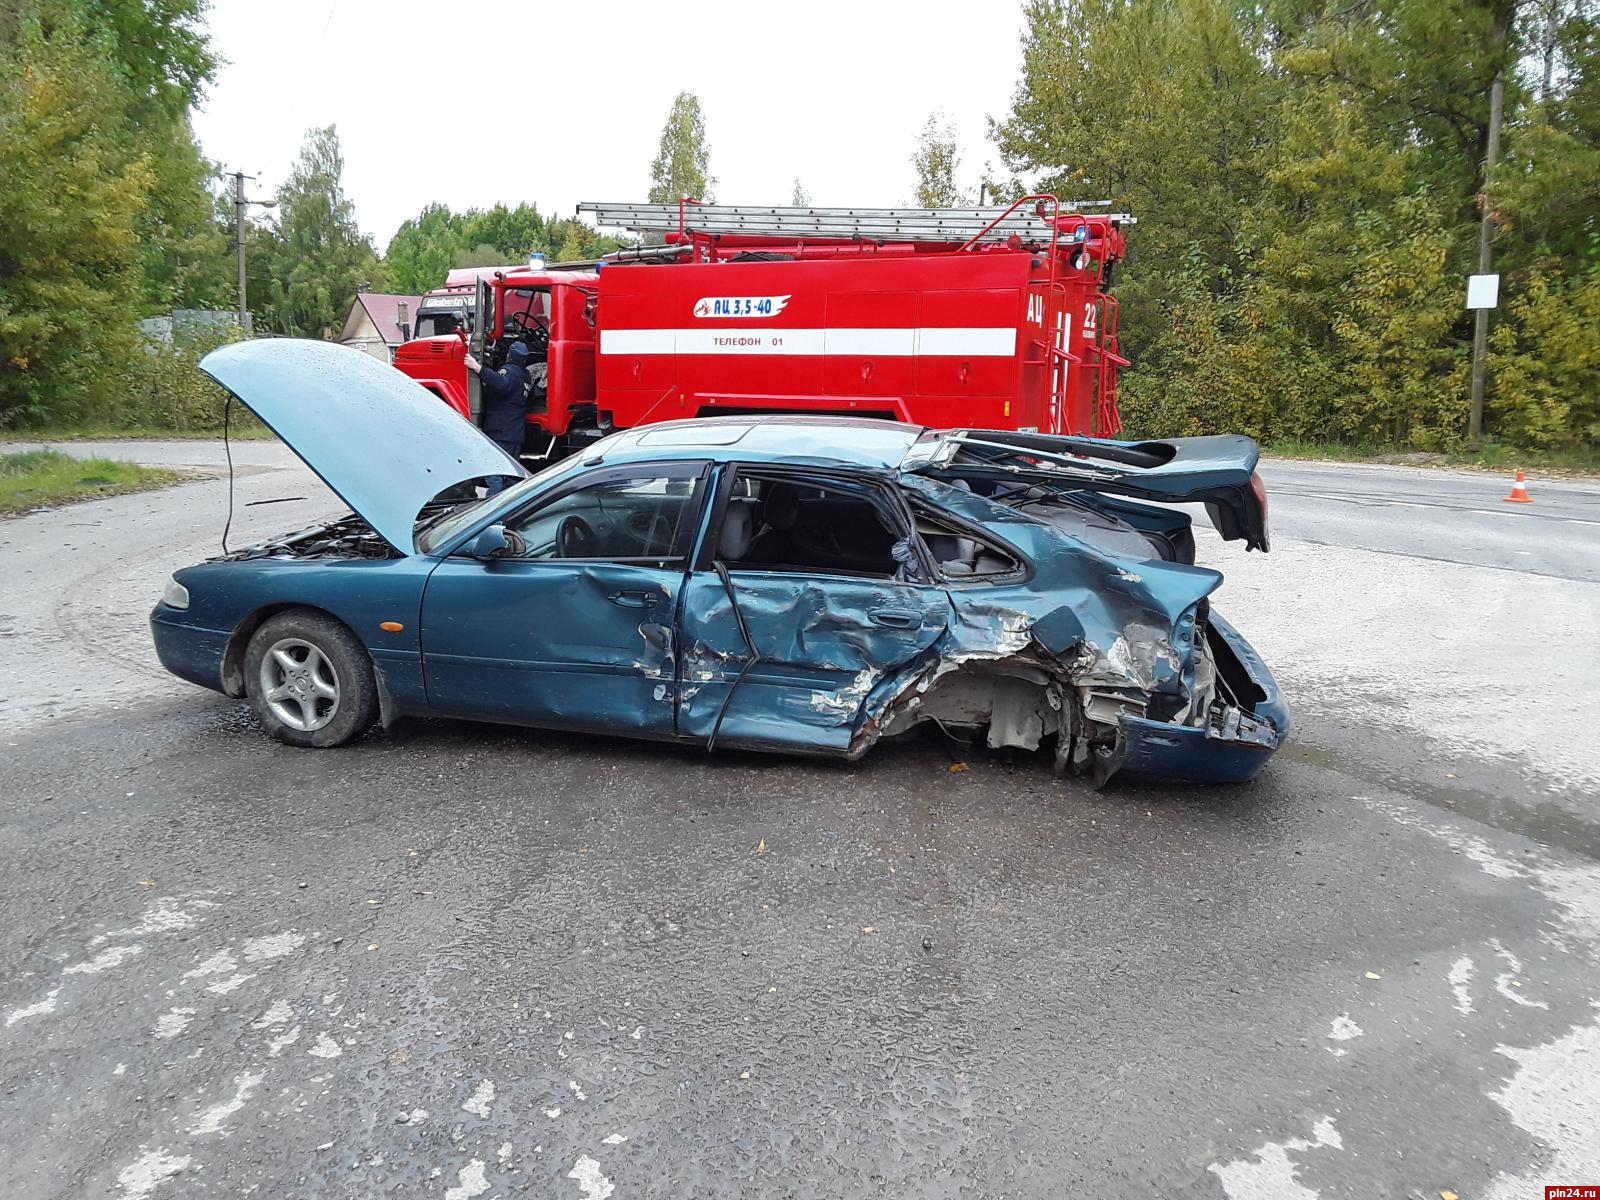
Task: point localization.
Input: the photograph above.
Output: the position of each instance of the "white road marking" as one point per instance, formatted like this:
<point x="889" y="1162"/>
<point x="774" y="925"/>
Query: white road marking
<point x="220" y="963"/>
<point x="1268" y="1174"/>
<point x="212" y="1120"/>
<point x="140" y="1177"/>
<point x="275" y="945"/>
<point x="591" y="1183"/>
<point x="470" y="1182"/>
<point x="167" y="915"/>
<point x="1460" y="976"/>
<point x="278" y="1044"/>
<point x="1507" y="983"/>
<point x="278" y="1013"/>
<point x="37" y="1009"/>
<point x="616" y="1139"/>
<point x="482" y="1097"/>
<point x="1344" y="1029"/>
<point x="223" y="986"/>
<point x="552" y="1113"/>
<point x="576" y="1090"/>
<point x="504" y="1152"/>
<point x="1552" y="1097"/>
<point x="173" y="1022"/>
<point x="326" y="1047"/>
<point x="104" y="961"/>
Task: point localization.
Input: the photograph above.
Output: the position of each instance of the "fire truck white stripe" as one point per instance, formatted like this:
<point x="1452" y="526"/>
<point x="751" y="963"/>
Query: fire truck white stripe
<point x="885" y="343"/>
<point x="976" y="342"/>
<point x="638" y="341"/>
<point x="968" y="343"/>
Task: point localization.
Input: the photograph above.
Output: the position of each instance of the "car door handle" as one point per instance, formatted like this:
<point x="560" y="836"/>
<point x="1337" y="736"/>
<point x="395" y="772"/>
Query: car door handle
<point x="633" y="599"/>
<point x="896" y="618"/>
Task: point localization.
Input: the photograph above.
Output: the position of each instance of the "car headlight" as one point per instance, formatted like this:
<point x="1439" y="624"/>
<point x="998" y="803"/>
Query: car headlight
<point x="175" y="595"/>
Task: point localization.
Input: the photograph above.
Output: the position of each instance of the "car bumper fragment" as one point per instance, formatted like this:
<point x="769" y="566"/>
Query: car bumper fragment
<point x="1200" y="754"/>
<point x="187" y="651"/>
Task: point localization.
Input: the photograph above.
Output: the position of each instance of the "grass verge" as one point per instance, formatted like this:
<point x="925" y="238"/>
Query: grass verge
<point x="240" y="430"/>
<point x="36" y="478"/>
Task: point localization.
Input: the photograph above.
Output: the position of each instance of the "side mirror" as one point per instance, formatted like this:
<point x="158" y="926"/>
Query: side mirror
<point x="491" y="543"/>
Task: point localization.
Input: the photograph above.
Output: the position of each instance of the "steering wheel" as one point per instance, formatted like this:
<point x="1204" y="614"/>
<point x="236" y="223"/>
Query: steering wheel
<point x="575" y="538"/>
<point x="534" y="334"/>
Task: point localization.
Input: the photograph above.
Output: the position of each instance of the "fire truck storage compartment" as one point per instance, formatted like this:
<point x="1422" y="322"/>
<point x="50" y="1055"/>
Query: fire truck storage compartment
<point x="870" y="345"/>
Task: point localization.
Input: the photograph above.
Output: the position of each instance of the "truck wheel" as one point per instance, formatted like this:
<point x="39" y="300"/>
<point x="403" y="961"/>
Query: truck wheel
<point x="310" y="681"/>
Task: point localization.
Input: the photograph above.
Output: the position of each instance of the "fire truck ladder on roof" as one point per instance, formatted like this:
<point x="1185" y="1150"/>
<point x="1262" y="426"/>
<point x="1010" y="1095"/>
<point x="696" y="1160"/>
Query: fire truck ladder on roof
<point x="995" y="223"/>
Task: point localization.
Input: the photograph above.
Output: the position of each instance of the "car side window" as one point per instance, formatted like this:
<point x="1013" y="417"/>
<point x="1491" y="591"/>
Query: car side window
<point x="809" y="525"/>
<point x="958" y="553"/>
<point x="643" y="516"/>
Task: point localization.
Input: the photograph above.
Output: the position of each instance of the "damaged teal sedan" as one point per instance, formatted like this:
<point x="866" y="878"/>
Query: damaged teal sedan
<point x="796" y="584"/>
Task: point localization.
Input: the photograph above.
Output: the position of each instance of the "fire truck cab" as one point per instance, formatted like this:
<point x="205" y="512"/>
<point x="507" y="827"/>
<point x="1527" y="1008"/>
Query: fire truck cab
<point x="991" y="318"/>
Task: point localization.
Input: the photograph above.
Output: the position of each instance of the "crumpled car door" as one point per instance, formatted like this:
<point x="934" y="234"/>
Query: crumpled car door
<point x="818" y="646"/>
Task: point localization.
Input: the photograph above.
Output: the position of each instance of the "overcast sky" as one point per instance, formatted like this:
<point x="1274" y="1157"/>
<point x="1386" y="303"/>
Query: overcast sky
<point x="473" y="103"/>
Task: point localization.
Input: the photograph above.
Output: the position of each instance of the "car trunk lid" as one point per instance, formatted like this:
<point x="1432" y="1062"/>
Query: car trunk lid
<point x="1218" y="471"/>
<point x="384" y="443"/>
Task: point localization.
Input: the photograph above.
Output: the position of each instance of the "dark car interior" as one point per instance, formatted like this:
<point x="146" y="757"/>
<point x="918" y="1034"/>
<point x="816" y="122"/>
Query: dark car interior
<point x="804" y="525"/>
<point x="771" y="523"/>
<point x="833" y="526"/>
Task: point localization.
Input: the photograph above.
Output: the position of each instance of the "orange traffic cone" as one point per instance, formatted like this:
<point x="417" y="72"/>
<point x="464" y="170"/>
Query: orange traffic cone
<point x="1519" y="492"/>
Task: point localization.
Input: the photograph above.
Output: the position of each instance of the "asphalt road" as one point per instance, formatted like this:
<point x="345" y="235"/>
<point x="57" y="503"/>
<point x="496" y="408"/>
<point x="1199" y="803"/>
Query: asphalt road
<point x="461" y="961"/>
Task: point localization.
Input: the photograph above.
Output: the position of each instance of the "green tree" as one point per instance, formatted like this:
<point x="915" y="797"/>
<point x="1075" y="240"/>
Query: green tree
<point x="936" y="160"/>
<point x="683" y="163"/>
<point x="424" y="248"/>
<point x="162" y="51"/>
<point x="73" y="184"/>
<point x="1308" y="178"/>
<point x="320" y="258"/>
<point x="515" y="233"/>
<point x="1186" y="157"/>
<point x="573" y="240"/>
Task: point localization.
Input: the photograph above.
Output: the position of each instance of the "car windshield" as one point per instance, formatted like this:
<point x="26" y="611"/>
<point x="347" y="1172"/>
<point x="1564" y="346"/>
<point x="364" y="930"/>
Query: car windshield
<point x="443" y="531"/>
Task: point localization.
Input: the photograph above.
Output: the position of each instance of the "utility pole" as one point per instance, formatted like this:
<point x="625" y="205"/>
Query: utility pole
<point x="1480" y="320"/>
<point x="240" y="207"/>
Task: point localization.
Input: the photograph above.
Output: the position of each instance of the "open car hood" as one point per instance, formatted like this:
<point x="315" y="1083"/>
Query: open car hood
<point x="1219" y="471"/>
<point x="384" y="443"/>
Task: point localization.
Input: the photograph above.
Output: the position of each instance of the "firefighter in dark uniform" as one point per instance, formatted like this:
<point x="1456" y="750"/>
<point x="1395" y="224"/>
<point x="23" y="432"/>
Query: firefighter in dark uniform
<point x="504" y="415"/>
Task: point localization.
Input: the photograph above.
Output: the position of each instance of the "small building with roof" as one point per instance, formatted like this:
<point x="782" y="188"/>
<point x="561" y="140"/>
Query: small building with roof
<point x="378" y="322"/>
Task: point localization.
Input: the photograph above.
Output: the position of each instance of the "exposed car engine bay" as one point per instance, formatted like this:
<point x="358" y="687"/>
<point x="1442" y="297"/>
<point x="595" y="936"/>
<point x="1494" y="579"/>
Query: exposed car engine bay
<point x="348" y="537"/>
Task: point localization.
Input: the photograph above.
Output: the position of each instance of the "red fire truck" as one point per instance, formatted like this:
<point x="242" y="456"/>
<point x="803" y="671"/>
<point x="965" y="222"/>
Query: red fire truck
<point x="993" y="317"/>
<point x="443" y="310"/>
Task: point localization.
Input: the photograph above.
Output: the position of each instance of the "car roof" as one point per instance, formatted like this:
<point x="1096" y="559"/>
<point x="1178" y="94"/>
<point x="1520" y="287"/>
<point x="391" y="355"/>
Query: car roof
<point x="847" y="441"/>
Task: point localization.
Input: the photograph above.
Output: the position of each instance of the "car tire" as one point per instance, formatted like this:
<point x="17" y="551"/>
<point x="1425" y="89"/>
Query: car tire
<point x="309" y="681"/>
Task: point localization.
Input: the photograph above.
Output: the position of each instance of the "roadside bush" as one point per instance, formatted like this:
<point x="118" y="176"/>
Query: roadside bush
<point x="1545" y="359"/>
<point x="164" y="389"/>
